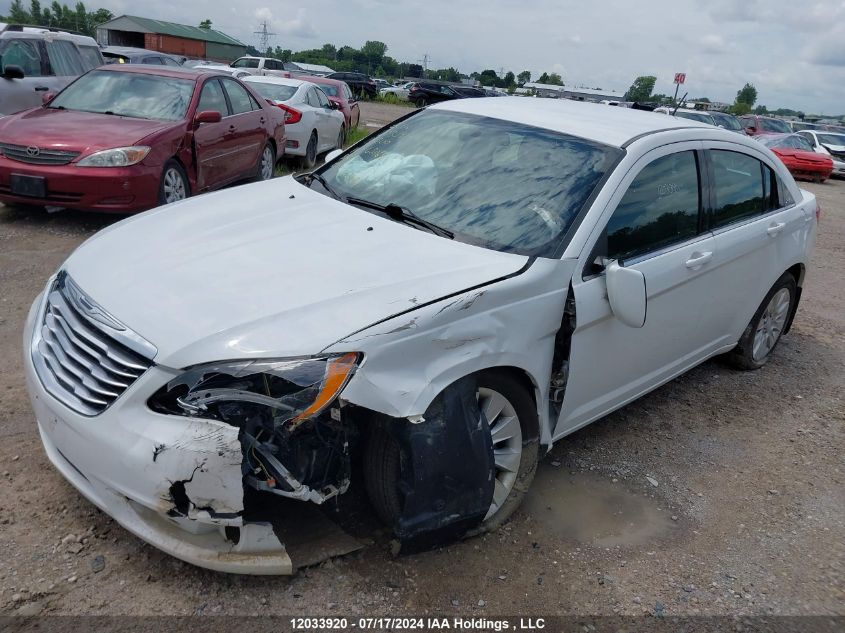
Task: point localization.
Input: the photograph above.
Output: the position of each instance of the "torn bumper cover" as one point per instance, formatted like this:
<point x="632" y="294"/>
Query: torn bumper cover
<point x="131" y="470"/>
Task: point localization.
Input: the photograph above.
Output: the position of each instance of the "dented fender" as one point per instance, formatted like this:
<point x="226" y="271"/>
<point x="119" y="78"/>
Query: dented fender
<point x="411" y="358"/>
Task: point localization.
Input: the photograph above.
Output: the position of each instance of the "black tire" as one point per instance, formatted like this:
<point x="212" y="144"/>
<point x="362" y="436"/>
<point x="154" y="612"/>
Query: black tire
<point x="310" y="158"/>
<point x="166" y="193"/>
<point x="259" y="169"/>
<point x="382" y="458"/>
<point x="421" y="102"/>
<point x="341" y="139"/>
<point x="743" y="355"/>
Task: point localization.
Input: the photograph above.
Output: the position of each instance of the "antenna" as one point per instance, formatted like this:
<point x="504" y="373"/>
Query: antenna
<point x="264" y="36"/>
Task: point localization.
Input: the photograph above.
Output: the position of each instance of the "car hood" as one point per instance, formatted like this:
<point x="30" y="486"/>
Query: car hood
<point x="834" y="148"/>
<point x="83" y="132"/>
<point x="272" y="269"/>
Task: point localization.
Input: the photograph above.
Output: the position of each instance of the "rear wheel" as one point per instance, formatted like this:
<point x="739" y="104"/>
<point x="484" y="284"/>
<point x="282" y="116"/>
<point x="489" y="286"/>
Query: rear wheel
<point x="310" y="158"/>
<point x="422" y="102"/>
<point x="267" y="163"/>
<point x="174" y="183"/>
<point x="760" y="338"/>
<point x="512" y="421"/>
<point x="341" y="138"/>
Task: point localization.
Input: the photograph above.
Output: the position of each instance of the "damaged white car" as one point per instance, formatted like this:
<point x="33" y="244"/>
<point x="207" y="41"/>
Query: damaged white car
<point x="417" y="320"/>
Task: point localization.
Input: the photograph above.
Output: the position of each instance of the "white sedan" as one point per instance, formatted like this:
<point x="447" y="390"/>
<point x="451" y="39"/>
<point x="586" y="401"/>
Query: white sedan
<point x="313" y="124"/>
<point x="400" y="91"/>
<point x="417" y="321"/>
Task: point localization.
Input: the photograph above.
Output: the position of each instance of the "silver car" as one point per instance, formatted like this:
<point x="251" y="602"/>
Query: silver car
<point x="36" y="61"/>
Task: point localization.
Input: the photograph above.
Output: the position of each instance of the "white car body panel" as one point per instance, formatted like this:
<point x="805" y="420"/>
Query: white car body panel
<point x="255" y="309"/>
<point x="277" y="270"/>
<point x="819" y="148"/>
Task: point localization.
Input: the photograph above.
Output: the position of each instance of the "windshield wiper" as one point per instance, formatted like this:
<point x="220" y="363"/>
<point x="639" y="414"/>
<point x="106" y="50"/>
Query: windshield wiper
<point x="401" y="214"/>
<point x="312" y="176"/>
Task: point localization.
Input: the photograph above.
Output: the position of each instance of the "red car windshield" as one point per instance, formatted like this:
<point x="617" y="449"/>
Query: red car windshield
<point x="136" y="95"/>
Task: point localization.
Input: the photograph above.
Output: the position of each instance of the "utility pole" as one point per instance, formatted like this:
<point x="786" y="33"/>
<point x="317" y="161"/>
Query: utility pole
<point x="264" y="36"/>
<point x="424" y="61"/>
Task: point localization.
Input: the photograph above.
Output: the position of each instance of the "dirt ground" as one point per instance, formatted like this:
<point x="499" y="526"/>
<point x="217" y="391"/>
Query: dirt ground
<point x="720" y="493"/>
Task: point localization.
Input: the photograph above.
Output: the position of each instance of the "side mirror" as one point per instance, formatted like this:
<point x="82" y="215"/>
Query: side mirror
<point x="333" y="154"/>
<point x="207" y="116"/>
<point x="12" y="72"/>
<point x="47" y="97"/>
<point x="626" y="292"/>
<point x="334" y="105"/>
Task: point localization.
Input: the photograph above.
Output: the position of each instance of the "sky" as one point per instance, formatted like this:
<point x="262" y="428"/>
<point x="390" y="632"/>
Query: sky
<point x="792" y="51"/>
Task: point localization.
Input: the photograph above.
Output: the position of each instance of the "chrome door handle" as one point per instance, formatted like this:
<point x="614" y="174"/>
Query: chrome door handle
<point x="776" y="228"/>
<point x="699" y="259"/>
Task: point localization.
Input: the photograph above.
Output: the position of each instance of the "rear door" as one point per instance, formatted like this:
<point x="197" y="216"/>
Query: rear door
<point x="757" y="227"/>
<point x="213" y="142"/>
<point x="325" y="116"/>
<point x="246" y="124"/>
<point x="653" y="224"/>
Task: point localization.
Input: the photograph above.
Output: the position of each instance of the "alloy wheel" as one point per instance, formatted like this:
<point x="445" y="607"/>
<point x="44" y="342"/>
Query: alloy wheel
<point x="506" y="431"/>
<point x="174" y="186"/>
<point x="267" y="160"/>
<point x="771" y="324"/>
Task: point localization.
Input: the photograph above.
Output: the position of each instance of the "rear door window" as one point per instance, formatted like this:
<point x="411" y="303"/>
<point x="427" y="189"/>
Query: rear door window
<point x="65" y="59"/>
<point x="738" y="191"/>
<point x="152" y="60"/>
<point x="660" y="208"/>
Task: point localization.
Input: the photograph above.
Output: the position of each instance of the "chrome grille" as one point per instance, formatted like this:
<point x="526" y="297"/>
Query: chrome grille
<point x="77" y="360"/>
<point x="36" y="155"/>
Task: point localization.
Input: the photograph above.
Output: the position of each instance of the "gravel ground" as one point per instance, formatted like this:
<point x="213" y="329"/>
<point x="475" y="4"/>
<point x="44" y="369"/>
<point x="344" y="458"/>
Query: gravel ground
<point x="720" y="493"/>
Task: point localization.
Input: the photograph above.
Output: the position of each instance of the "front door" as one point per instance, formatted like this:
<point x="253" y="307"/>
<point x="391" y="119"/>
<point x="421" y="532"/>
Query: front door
<point x="656" y="227"/>
<point x="213" y="141"/>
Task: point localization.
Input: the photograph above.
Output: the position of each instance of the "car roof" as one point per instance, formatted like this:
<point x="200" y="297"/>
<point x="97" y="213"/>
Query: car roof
<point x="281" y="81"/>
<point x="594" y="121"/>
<point x="164" y="71"/>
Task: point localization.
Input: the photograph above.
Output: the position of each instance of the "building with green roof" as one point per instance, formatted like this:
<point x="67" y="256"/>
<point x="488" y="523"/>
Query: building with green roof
<point x="169" y="37"/>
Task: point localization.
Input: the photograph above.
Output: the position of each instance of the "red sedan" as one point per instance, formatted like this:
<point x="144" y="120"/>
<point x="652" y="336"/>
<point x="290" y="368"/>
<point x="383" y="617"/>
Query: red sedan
<point x="338" y="92"/>
<point x="796" y="153"/>
<point x="122" y="139"/>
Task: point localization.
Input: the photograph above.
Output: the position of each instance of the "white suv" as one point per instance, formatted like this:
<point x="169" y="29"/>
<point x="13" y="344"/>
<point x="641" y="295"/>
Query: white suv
<point x="440" y="303"/>
<point x="35" y="61"/>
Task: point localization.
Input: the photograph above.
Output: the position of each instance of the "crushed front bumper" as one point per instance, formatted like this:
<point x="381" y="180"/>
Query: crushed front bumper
<point x="127" y="459"/>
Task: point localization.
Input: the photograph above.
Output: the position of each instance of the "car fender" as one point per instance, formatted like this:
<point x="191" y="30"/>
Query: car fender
<point x="410" y="358"/>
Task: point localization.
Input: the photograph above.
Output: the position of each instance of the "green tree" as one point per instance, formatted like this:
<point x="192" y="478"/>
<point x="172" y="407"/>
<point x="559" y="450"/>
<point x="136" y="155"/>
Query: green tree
<point x="509" y="80"/>
<point x="543" y="79"/>
<point x="524" y="77"/>
<point x="761" y="109"/>
<point x="739" y="109"/>
<point x="206" y="24"/>
<point x="330" y="51"/>
<point x="17" y="14"/>
<point x="446" y="74"/>
<point x="35" y="14"/>
<point x="641" y="89"/>
<point x="555" y="79"/>
<point x="747" y="94"/>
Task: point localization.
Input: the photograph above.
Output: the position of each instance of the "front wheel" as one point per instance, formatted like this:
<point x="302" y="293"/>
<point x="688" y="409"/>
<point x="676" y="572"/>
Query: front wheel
<point x="512" y="421"/>
<point x="174" y="183"/>
<point x="759" y="339"/>
<point x="422" y="102"/>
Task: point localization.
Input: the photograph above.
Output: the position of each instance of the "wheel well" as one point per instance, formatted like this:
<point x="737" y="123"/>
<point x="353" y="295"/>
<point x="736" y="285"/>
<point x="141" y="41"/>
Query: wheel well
<point x="521" y="377"/>
<point x="797" y="271"/>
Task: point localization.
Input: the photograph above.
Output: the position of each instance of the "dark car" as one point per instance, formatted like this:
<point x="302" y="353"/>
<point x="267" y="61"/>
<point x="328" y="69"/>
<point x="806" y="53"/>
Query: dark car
<point x="338" y="92"/>
<point x="468" y="92"/>
<point x="360" y="83"/>
<point x="423" y="93"/>
<point x="130" y="55"/>
<point x="124" y="138"/>
<point x="726" y="121"/>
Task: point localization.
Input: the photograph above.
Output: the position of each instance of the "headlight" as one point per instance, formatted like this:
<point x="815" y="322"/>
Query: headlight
<point x="288" y="392"/>
<point x="117" y="157"/>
